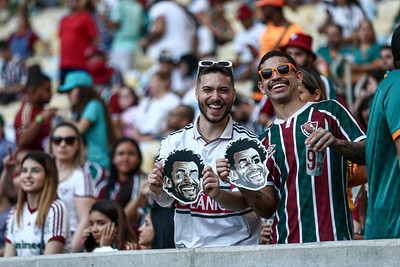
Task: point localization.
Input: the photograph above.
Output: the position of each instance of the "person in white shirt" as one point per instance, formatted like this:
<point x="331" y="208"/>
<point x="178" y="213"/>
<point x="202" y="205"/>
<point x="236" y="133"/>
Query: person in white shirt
<point x="75" y="186"/>
<point x="39" y="223"/>
<point x="220" y="216"/>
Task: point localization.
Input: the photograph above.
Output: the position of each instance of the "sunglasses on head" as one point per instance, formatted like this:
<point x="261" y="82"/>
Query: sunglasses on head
<point x="209" y="63"/>
<point x="282" y="69"/>
<point x="69" y="140"/>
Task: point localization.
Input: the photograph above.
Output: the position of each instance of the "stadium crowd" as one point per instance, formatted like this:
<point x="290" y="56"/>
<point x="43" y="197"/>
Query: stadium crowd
<point x="142" y="78"/>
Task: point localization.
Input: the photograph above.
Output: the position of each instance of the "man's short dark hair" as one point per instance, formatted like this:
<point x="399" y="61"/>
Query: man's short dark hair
<point x="184" y="156"/>
<point x="275" y="53"/>
<point x="396" y="47"/>
<point x="215" y="68"/>
<point x="187" y="112"/>
<point x="238" y="145"/>
<point x="35" y="77"/>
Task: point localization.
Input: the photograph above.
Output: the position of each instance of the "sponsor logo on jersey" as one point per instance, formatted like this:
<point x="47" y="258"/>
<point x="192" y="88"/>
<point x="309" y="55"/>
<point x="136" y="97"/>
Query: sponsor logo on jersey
<point x="22" y="244"/>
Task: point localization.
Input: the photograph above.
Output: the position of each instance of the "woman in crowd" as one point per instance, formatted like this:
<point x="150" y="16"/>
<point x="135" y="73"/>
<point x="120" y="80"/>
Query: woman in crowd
<point x="367" y="51"/>
<point x="109" y="228"/>
<point x="93" y="117"/>
<point x="126" y="180"/>
<point x="157" y="231"/>
<point x="374" y="77"/>
<point x="312" y="88"/>
<point x="38" y="219"/>
<point x="128" y="102"/>
<point x="75" y="186"/>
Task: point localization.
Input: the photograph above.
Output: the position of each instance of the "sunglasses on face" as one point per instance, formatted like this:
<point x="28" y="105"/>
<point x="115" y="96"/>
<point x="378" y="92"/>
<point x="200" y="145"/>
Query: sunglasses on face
<point x="209" y="63"/>
<point x="69" y="140"/>
<point x="282" y="69"/>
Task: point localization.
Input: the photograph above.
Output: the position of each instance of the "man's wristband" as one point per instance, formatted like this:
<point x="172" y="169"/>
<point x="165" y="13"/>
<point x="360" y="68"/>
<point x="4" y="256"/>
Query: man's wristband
<point x="39" y="118"/>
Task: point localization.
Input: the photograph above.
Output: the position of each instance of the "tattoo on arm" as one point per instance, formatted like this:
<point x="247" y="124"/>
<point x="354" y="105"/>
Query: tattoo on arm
<point x="353" y="151"/>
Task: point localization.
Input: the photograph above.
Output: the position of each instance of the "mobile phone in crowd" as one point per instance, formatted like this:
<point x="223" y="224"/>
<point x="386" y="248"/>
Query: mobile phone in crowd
<point x="90" y="243"/>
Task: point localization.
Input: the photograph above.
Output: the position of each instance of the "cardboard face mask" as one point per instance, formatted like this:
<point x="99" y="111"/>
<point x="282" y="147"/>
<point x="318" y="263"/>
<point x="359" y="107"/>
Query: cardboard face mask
<point x="248" y="160"/>
<point x="182" y="177"/>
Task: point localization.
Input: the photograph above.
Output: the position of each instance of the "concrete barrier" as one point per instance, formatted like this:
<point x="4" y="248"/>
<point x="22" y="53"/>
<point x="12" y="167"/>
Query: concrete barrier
<point x="345" y="253"/>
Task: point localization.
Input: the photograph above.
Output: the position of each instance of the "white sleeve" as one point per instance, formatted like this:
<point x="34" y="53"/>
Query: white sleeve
<point x="83" y="184"/>
<point x="11" y="223"/>
<point x="57" y="223"/>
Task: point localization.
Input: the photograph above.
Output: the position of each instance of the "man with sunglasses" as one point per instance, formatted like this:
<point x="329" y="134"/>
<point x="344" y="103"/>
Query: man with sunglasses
<point x="309" y="208"/>
<point x="220" y="216"/>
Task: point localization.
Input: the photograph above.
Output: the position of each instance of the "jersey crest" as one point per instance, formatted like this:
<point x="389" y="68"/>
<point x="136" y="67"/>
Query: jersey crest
<point x="271" y="150"/>
<point x="312" y="124"/>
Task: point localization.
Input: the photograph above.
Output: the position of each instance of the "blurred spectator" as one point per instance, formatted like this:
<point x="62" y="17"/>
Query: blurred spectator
<point x="126" y="21"/>
<point x="126" y="181"/>
<point x="77" y="32"/>
<point x="246" y="112"/>
<point x="109" y="228"/>
<point x="360" y="212"/>
<point x="334" y="47"/>
<point x="32" y="123"/>
<point x="5" y="12"/>
<point x="172" y="29"/>
<point x="184" y="76"/>
<point x="299" y="47"/>
<point x="106" y="81"/>
<point x="6" y="198"/>
<point x="36" y="219"/>
<point x="219" y="25"/>
<point x="278" y="29"/>
<point x="93" y="117"/>
<point x="128" y="102"/>
<point x="383" y="154"/>
<point x="104" y="76"/>
<point x="14" y="74"/>
<point x="387" y="58"/>
<point x="166" y="65"/>
<point x="100" y="12"/>
<point x="366" y="54"/>
<point x="75" y="186"/>
<point x="374" y="77"/>
<point x="155" y="106"/>
<point x="178" y="118"/>
<point x="4" y="144"/>
<point x="348" y="15"/>
<point x="23" y="40"/>
<point x="205" y="44"/>
<point x="312" y="88"/>
<point x="157" y="231"/>
<point x="247" y="43"/>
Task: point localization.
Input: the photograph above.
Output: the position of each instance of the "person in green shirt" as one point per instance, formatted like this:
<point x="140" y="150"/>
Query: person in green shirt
<point x="383" y="154"/>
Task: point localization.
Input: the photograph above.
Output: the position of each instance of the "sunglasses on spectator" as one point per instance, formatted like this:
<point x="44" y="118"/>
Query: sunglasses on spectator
<point x="209" y="63"/>
<point x="282" y="69"/>
<point x="69" y="140"/>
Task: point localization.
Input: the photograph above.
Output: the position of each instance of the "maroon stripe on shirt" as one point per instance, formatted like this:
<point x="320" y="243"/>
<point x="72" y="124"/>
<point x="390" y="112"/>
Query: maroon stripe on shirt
<point x="292" y="210"/>
<point x="322" y="198"/>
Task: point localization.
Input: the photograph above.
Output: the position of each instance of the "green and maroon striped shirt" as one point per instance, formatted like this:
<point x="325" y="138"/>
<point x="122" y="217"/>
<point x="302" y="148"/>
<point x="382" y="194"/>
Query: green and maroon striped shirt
<point x="310" y="208"/>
